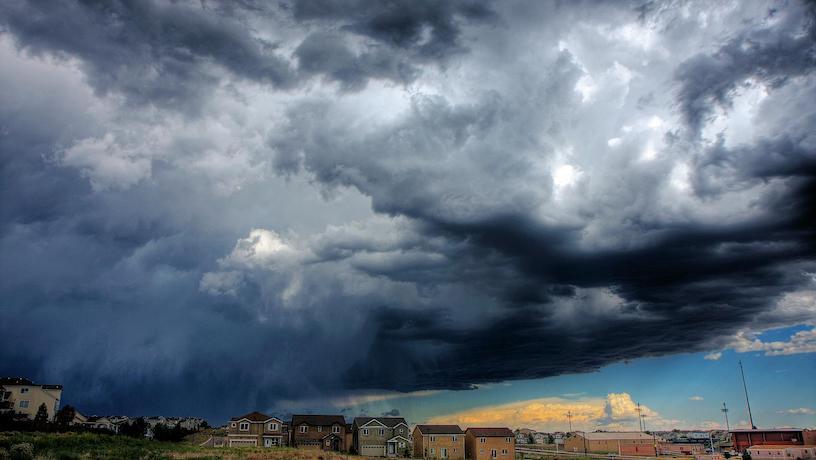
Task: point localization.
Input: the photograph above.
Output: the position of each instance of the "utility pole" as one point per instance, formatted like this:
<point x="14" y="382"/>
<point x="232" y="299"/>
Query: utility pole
<point x="640" y="417"/>
<point x="569" y="417"/>
<point x="724" y="410"/>
<point x="745" y="387"/>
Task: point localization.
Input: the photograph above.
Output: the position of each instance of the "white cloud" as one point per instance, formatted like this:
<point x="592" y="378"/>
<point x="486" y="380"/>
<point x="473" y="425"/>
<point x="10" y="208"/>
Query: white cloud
<point x="713" y="356"/>
<point x="695" y="398"/>
<point x="800" y="342"/>
<point x="798" y="411"/>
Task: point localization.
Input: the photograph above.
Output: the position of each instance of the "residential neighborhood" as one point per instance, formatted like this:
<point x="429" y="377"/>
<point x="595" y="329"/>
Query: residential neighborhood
<point x="23" y="401"/>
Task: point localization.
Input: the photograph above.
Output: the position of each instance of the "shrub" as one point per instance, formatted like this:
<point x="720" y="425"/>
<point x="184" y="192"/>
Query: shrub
<point x="22" y="451"/>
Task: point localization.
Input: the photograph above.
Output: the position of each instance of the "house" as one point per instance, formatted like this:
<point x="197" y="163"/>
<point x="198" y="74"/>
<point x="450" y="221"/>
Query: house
<point x="325" y="432"/>
<point x="621" y="443"/>
<point x="381" y="437"/>
<point x="541" y="438"/>
<point x="439" y="441"/>
<point x="490" y="443"/>
<point x="256" y="430"/>
<point x="100" y="422"/>
<point x="24" y="397"/>
<point x="524" y="436"/>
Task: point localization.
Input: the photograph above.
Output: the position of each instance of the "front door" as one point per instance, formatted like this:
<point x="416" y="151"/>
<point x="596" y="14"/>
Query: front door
<point x="336" y="444"/>
<point x="443" y="452"/>
<point x="391" y="449"/>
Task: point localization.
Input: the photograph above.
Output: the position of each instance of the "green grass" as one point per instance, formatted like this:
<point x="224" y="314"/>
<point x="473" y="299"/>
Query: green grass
<point x="75" y="446"/>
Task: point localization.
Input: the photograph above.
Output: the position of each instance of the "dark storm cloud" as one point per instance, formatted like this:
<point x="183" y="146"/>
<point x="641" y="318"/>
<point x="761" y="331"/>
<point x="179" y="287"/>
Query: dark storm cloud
<point x="427" y="29"/>
<point x="160" y="264"/>
<point x="153" y="52"/>
<point x="771" y="54"/>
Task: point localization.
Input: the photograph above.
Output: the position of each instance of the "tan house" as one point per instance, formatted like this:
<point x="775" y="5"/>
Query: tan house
<point x="490" y="443"/>
<point x="24" y="397"/>
<point x="381" y="437"/>
<point x="439" y="442"/>
<point x="609" y="442"/>
<point x="256" y="430"/>
<point x="325" y="432"/>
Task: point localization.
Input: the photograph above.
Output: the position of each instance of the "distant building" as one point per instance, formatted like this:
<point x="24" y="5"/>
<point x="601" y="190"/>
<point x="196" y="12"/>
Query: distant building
<point x="325" y="432"/>
<point x="256" y="430"/>
<point x="524" y="435"/>
<point x="743" y="439"/>
<point x="621" y="443"/>
<point x="381" y="437"/>
<point x="439" y="441"/>
<point x="771" y="452"/>
<point x="490" y="443"/>
<point x="98" y="422"/>
<point x="541" y="438"/>
<point x="24" y="397"/>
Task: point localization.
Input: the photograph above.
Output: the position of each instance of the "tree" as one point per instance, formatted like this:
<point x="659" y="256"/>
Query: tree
<point x="42" y="414"/>
<point x="135" y="429"/>
<point x="65" y="415"/>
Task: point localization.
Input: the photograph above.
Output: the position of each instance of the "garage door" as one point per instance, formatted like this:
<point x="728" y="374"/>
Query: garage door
<point x="372" y="451"/>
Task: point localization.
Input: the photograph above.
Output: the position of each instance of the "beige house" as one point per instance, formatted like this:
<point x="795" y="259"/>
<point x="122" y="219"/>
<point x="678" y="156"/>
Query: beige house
<point x="381" y="437"/>
<point x="24" y="397"/>
<point x="256" y="430"/>
<point x="439" y="442"/>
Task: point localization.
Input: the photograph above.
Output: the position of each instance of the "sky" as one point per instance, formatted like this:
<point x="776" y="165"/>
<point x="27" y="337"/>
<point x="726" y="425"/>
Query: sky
<point x="476" y="212"/>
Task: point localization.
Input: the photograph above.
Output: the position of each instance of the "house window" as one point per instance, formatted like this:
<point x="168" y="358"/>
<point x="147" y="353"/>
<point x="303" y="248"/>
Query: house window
<point x="482" y="440"/>
<point x="382" y="431"/>
<point x="304" y="429"/>
<point x="23" y="404"/>
<point x="335" y="429"/>
<point x="365" y="431"/>
<point x="433" y="439"/>
<point x="507" y="440"/>
<point x="328" y="443"/>
<point x="432" y="451"/>
<point x="402" y="431"/>
<point x="244" y="426"/>
<point x="453" y="438"/>
<point x="493" y="453"/>
<point x="319" y="428"/>
<point x="504" y="451"/>
<point x="233" y="424"/>
<point x="401" y="444"/>
<point x="273" y="426"/>
<point x="23" y="391"/>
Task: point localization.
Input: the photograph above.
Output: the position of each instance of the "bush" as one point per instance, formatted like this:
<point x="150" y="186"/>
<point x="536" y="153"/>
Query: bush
<point x="22" y="451"/>
<point x="4" y="455"/>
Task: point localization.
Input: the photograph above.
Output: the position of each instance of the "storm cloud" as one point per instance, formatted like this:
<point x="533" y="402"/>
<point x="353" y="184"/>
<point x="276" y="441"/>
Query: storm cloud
<point x="314" y="198"/>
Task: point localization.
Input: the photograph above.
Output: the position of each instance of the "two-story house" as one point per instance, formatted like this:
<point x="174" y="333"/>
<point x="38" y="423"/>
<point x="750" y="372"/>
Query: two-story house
<point x="256" y="430"/>
<point x="439" y="442"/>
<point x="24" y="397"/>
<point x="325" y="432"/>
<point x="490" y="444"/>
<point x="381" y="437"/>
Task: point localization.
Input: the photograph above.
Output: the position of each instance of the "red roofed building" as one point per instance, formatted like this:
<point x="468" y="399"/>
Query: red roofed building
<point x="743" y="439"/>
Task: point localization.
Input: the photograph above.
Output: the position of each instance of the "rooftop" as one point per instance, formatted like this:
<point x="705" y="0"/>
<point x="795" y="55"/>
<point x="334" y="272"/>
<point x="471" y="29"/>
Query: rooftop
<point x="491" y="432"/>
<point x="253" y="416"/>
<point x="390" y="422"/>
<point x="440" y="429"/>
<point x="318" y="420"/>
<point x="605" y="435"/>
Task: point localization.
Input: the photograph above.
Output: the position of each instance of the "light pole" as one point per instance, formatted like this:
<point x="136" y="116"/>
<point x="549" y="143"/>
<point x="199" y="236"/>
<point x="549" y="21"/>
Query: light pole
<point x="569" y="417"/>
<point x="724" y="410"/>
